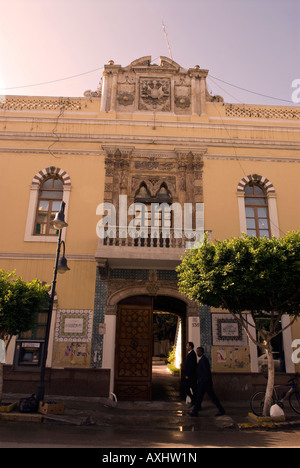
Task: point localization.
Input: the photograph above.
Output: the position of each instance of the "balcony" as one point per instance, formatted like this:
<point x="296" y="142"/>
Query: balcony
<point x="162" y="249"/>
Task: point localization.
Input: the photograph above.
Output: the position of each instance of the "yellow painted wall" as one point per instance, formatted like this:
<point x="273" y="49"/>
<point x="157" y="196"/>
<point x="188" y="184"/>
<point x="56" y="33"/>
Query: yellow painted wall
<point x="221" y="178"/>
<point x="75" y="289"/>
<point x="87" y="179"/>
<point x="33" y="139"/>
<point x="231" y="359"/>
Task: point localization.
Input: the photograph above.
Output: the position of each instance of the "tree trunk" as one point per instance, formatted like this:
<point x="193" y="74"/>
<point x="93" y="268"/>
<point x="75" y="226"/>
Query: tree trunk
<point x="1" y="381"/>
<point x="271" y="380"/>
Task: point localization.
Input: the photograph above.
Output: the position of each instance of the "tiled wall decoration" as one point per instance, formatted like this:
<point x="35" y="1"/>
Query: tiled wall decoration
<point x="74" y="325"/>
<point x="167" y="275"/>
<point x="227" y="331"/>
<point x="205" y="330"/>
<point x="127" y="274"/>
<point x="98" y="322"/>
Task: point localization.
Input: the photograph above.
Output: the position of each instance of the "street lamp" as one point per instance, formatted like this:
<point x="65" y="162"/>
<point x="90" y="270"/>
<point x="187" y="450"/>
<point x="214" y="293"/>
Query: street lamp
<point x="61" y="267"/>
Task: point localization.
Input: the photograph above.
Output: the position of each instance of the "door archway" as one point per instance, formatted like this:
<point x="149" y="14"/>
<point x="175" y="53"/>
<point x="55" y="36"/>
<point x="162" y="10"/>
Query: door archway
<point x="134" y="343"/>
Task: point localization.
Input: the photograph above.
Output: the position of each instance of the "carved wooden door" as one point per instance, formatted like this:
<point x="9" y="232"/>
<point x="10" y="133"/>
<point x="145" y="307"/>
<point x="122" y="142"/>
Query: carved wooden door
<point x="133" y="363"/>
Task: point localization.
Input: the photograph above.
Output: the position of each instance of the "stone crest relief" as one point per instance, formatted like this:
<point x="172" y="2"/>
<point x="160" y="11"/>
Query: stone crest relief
<point x="155" y="94"/>
<point x="126" y="91"/>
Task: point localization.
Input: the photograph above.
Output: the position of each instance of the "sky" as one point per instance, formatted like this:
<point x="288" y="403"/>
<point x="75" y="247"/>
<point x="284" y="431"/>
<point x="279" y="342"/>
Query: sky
<point x="248" y="44"/>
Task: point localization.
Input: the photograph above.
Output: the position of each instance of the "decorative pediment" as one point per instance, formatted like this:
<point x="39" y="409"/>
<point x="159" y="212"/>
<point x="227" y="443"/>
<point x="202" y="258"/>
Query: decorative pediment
<point x="165" y="62"/>
<point x="145" y="63"/>
<point x="140" y="62"/>
<point x="143" y="86"/>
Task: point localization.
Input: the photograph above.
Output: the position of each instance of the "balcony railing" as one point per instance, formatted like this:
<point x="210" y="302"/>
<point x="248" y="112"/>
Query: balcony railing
<point x="161" y="247"/>
<point x="158" y="238"/>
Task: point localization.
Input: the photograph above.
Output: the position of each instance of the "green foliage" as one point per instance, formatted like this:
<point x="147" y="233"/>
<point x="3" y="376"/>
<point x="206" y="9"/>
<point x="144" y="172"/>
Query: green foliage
<point x="171" y="357"/>
<point x="171" y="360"/>
<point x="19" y="302"/>
<point x="259" y="276"/>
<point x="252" y="274"/>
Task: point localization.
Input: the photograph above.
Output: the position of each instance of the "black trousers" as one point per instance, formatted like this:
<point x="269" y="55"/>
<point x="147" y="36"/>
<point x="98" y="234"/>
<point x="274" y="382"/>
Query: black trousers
<point x="206" y="387"/>
<point x="190" y="384"/>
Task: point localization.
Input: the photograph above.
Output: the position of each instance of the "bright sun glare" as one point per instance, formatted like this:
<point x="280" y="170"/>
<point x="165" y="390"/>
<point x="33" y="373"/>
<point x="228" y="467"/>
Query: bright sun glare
<point x="2" y="88"/>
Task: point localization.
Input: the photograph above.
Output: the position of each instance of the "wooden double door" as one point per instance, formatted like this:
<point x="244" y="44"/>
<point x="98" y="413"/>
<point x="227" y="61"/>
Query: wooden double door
<point x="133" y="356"/>
<point x="134" y="343"/>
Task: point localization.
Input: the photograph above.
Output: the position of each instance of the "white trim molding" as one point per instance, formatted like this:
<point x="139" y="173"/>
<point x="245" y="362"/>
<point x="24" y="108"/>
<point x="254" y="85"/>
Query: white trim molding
<point x="33" y="200"/>
<point x="271" y="197"/>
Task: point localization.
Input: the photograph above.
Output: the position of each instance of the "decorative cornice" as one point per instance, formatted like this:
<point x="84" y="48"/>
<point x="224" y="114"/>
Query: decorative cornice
<point x="112" y="150"/>
<point x="82" y="152"/>
<point x="214" y="123"/>
<point x="45" y="256"/>
<point x="116" y="140"/>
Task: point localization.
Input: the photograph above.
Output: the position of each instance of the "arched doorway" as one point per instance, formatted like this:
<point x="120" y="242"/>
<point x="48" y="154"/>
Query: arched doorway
<point x="134" y="343"/>
<point x="169" y="337"/>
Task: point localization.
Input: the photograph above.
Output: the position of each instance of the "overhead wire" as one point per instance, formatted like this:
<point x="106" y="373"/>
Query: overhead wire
<point x="249" y="91"/>
<point x="237" y="158"/>
<point x="10" y="88"/>
<point x="224" y="90"/>
<point x="52" y="81"/>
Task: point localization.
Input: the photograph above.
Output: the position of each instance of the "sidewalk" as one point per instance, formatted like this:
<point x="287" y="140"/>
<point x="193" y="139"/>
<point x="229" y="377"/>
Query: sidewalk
<point x="154" y="415"/>
<point x="167" y="411"/>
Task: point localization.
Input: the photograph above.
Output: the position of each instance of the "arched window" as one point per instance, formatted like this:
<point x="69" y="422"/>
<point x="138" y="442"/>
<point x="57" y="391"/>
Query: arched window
<point x="257" y="206"/>
<point x="49" y="187"/>
<point x="143" y="194"/>
<point x="163" y="195"/>
<point x="155" y="210"/>
<point x="153" y="214"/>
<point x="49" y="203"/>
<point x="257" y="213"/>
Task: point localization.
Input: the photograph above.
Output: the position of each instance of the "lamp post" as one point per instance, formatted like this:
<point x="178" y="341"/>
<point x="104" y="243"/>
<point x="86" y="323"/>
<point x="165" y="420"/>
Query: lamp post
<point x="61" y="267"/>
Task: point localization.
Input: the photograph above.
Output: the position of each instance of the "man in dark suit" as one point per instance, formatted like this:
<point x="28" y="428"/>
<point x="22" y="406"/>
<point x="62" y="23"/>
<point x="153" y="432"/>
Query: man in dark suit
<point x="205" y="384"/>
<point x="190" y="375"/>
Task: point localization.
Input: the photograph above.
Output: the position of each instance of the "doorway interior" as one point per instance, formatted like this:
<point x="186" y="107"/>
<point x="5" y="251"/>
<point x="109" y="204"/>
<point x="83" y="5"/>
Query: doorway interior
<point x="148" y="330"/>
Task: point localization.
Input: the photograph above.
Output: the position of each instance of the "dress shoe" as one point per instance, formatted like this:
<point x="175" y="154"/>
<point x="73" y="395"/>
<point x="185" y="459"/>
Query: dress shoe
<point x="220" y="413"/>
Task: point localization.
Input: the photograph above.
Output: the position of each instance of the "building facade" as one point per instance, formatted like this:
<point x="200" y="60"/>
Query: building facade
<point x="144" y="164"/>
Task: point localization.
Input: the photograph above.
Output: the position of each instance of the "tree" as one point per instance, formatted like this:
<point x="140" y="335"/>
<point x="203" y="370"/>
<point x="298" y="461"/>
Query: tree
<point x="19" y="302"/>
<point x="249" y="277"/>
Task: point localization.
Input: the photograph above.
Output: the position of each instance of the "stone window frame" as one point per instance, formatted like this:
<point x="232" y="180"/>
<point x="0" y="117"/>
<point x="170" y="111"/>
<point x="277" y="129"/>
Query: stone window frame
<point x="255" y="195"/>
<point x="271" y="200"/>
<point x="37" y="180"/>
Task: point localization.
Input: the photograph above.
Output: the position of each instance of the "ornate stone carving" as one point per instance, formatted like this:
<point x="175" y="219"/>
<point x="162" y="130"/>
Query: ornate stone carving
<point x="149" y="165"/>
<point x="125" y="98"/>
<point x="103" y="269"/>
<point x="155" y="94"/>
<point x="153" y="185"/>
<point x="152" y="288"/>
<point x="146" y="86"/>
<point x="90" y="94"/>
<point x="182" y="101"/>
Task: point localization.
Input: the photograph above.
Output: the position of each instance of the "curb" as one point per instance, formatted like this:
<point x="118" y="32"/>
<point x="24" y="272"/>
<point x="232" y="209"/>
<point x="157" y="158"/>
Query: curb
<point x="269" y="425"/>
<point x="267" y="422"/>
<point x="22" y="417"/>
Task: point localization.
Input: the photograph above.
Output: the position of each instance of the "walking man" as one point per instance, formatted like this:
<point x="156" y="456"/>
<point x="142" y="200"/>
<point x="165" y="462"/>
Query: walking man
<point x="205" y="384"/>
<point x="190" y="372"/>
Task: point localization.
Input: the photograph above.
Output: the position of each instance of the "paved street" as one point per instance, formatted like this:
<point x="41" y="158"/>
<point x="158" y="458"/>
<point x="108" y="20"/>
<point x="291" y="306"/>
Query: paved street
<point x="28" y="435"/>
<point x="163" y="423"/>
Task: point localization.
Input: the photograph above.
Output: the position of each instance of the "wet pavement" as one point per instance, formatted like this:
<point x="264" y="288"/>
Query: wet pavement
<point x="166" y="412"/>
